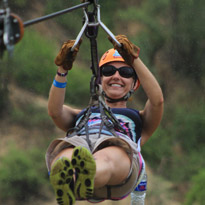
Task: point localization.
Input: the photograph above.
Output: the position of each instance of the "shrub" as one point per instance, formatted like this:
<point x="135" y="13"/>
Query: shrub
<point x="31" y="116"/>
<point x="77" y="92"/>
<point x="33" y="69"/>
<point x="196" y="193"/>
<point x="156" y="151"/>
<point x="22" y="175"/>
<point x="32" y="65"/>
<point x="178" y="143"/>
<point x="18" y="3"/>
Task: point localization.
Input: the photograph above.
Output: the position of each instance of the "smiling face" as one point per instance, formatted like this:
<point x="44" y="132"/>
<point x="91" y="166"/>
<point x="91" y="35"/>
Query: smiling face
<point x="116" y="86"/>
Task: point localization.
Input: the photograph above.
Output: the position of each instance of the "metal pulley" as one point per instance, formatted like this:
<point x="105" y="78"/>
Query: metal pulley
<point x="11" y="30"/>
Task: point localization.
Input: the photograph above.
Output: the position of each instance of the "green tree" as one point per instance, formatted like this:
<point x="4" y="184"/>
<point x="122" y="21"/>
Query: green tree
<point x="4" y="91"/>
<point x="196" y="193"/>
<point x="175" y="28"/>
<point x="19" y="175"/>
<point x="186" y="47"/>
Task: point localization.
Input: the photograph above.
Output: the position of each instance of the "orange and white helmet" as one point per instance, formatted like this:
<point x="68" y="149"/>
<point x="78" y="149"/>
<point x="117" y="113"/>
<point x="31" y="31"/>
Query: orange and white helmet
<point x="110" y="56"/>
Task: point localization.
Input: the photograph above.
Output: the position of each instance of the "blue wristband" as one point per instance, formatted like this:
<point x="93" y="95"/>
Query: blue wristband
<point x="59" y="84"/>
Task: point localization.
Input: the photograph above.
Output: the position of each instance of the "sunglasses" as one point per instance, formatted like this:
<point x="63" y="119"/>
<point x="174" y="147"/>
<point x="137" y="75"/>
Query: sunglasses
<point x="125" y="72"/>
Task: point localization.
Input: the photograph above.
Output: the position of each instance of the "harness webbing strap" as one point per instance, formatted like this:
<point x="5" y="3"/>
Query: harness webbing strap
<point x="97" y="97"/>
<point x="106" y="122"/>
<point x="94" y="56"/>
<point x="108" y="113"/>
<point x="87" y="135"/>
<point x="108" y="192"/>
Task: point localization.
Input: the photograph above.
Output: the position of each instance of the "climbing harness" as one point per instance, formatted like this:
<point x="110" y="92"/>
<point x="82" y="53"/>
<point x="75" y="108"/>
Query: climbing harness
<point x="90" y="28"/>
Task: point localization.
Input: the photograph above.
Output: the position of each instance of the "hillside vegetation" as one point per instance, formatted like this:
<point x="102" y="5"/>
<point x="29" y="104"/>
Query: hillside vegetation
<point x="171" y="37"/>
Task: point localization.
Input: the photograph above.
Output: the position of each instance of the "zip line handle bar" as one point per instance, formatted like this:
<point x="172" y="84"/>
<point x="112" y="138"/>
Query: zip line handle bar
<point x="99" y="22"/>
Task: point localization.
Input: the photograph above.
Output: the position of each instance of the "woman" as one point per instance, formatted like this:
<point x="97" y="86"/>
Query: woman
<point x="105" y="165"/>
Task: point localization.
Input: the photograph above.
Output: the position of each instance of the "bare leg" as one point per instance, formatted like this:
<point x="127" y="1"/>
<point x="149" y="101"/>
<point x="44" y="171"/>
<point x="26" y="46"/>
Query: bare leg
<point x="64" y="153"/>
<point x="113" y="166"/>
<point x="110" y="167"/>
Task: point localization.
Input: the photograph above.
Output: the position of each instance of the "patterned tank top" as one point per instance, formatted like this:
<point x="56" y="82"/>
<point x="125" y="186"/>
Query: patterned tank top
<point x="129" y="119"/>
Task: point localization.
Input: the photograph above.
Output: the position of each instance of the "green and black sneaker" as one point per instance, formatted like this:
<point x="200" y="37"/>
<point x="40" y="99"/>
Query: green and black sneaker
<point x="85" y="169"/>
<point x="61" y="178"/>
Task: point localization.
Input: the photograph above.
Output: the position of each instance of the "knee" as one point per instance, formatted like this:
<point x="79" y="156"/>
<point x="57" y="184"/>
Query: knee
<point x="101" y="156"/>
<point x="67" y="152"/>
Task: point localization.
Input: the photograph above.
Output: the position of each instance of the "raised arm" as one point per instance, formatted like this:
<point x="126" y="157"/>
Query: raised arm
<point x="62" y="115"/>
<point x="153" y="110"/>
<point x="152" y="113"/>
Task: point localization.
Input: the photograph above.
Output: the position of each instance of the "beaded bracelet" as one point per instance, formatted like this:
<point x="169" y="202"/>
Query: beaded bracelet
<point x="62" y="74"/>
<point x="59" y="84"/>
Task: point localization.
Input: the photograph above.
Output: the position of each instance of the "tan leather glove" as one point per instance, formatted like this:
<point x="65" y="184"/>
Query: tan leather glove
<point x="128" y="50"/>
<point x="66" y="57"/>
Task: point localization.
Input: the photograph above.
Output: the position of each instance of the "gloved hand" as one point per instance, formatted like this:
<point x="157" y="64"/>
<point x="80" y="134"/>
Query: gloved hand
<point x="128" y="50"/>
<point x="66" y="57"/>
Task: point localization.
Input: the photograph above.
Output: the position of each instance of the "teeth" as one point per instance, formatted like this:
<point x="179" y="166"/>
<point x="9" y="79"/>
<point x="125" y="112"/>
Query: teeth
<point x="116" y="85"/>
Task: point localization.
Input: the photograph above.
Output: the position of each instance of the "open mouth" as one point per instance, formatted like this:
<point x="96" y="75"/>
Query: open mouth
<point x="116" y="85"/>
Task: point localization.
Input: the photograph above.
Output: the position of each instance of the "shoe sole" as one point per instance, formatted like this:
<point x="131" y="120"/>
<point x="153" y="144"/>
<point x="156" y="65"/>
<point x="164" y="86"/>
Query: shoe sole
<point x="61" y="178"/>
<point x="85" y="169"/>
